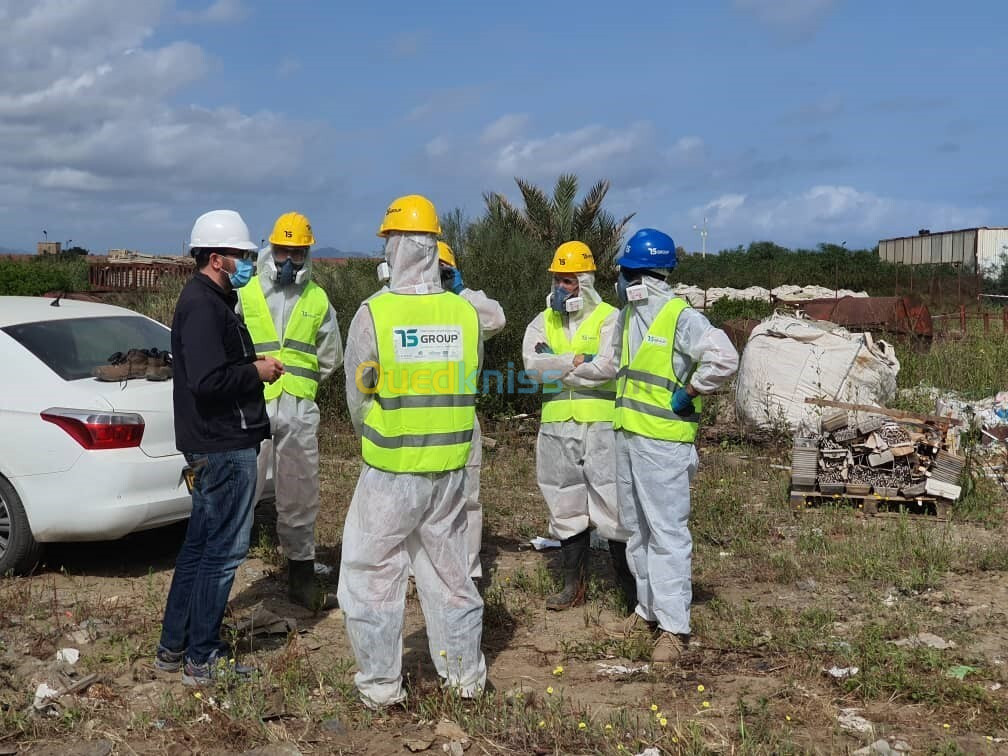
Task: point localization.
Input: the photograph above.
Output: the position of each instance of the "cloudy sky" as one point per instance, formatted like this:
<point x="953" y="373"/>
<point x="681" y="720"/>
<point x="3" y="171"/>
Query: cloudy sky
<point x="798" y="121"/>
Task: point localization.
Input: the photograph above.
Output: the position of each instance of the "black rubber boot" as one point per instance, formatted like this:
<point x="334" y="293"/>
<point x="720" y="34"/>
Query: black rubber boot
<point x="574" y="555"/>
<point x="624" y="578"/>
<point x="303" y="587"/>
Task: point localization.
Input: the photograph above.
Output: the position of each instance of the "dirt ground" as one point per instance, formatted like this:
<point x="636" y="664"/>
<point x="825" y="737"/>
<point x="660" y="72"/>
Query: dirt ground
<point x="779" y="599"/>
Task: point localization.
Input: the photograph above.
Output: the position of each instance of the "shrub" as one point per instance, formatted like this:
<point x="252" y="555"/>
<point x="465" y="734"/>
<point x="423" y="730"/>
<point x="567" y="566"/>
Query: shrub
<point x="32" y="277"/>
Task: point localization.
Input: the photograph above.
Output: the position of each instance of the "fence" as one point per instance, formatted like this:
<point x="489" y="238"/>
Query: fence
<point x="944" y="324"/>
<point x="104" y="276"/>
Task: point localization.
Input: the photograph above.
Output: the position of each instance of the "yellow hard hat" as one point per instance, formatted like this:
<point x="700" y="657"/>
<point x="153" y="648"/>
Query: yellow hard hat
<point x="572" y="257"/>
<point x="412" y="213"/>
<point x="445" y="254"/>
<point x="292" y="230"/>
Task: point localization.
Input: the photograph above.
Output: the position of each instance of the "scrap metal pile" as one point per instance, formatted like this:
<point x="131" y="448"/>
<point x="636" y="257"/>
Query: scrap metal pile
<point x="878" y="458"/>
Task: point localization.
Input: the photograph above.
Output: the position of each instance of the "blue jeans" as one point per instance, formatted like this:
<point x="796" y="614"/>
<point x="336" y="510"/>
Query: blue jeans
<point x="216" y="542"/>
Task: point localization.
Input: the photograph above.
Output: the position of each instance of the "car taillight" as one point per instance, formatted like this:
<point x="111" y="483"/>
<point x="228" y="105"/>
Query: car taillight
<point x="98" y="430"/>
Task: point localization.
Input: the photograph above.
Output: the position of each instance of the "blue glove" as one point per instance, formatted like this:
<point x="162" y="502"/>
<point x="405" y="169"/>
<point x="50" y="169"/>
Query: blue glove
<point x="456" y="282"/>
<point x="543" y="348"/>
<point x="682" y="403"/>
<point x="589" y="357"/>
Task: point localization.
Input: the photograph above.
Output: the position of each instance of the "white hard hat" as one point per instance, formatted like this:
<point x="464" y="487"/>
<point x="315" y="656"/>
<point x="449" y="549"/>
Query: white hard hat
<point x="221" y="228"/>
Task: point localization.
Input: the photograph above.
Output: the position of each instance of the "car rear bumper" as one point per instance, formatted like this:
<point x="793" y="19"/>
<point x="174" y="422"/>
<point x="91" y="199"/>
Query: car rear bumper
<point x="105" y="495"/>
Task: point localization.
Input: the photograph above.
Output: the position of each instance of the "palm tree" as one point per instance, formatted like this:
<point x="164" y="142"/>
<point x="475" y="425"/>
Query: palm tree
<point x="554" y="220"/>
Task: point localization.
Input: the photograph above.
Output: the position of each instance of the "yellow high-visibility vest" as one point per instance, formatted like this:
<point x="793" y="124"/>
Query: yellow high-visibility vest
<point x="645" y="384"/>
<point x="299" y="351"/>
<point x="424" y="408"/>
<point x="583" y="405"/>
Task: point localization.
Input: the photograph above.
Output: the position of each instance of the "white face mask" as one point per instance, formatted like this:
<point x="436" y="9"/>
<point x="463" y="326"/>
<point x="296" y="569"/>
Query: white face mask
<point x="629" y="294"/>
<point x="384" y="273"/>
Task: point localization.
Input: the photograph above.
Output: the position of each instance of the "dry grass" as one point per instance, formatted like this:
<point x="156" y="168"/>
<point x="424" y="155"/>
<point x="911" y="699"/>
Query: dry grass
<point x="779" y="598"/>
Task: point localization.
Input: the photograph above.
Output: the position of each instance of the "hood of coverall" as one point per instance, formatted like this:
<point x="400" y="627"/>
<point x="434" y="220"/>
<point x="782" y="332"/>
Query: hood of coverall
<point x="413" y="263"/>
<point x="266" y="268"/>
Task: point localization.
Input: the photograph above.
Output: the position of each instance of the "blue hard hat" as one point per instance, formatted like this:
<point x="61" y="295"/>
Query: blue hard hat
<point x="648" y="248"/>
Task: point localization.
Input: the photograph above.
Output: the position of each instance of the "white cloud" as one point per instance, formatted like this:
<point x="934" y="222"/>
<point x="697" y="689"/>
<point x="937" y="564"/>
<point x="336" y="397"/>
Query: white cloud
<point x="438" y="147"/>
<point x="504" y="128"/>
<point x="443" y="102"/>
<point x="587" y="149"/>
<point x="93" y="115"/>
<point x="791" y="18"/>
<point x="218" y="12"/>
<point x="828" y="213"/>
<point x="630" y="155"/>
<point x="98" y="109"/>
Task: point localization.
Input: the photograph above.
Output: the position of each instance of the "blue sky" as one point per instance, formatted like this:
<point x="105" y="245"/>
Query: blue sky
<point x="798" y="121"/>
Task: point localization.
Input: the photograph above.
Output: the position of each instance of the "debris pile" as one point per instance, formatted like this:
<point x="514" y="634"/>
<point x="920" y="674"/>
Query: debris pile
<point x="876" y="457"/>
<point x="787" y="294"/>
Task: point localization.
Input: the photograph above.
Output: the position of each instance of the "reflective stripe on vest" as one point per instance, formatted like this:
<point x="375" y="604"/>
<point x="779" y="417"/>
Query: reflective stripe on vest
<point x="645" y="384"/>
<point x="424" y="408"/>
<point x="582" y="405"/>
<point x="298" y="352"/>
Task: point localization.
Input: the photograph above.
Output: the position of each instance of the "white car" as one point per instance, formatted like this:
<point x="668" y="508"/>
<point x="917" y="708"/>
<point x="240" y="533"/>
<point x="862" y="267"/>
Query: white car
<point x="80" y="459"/>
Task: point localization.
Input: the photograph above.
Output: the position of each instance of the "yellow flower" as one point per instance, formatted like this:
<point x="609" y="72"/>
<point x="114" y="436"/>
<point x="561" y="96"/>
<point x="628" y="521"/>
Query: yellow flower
<point x="946" y="725"/>
<point x="549" y="691"/>
<point x="443" y="652"/>
<point x="608" y="727"/>
<point x="787" y="717"/>
<point x="197" y="694"/>
<point x="663" y="721"/>
<point x="582" y="726"/>
<point x="700" y="688"/>
<point x="558" y="670"/>
<point x="706" y="704"/>
<point x="542" y="723"/>
<point x="654" y="707"/>
<point x="659" y="715"/>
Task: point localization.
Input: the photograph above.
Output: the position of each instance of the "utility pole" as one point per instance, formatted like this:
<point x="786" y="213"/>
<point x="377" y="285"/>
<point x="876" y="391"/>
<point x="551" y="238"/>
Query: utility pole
<point x="703" y="238"/>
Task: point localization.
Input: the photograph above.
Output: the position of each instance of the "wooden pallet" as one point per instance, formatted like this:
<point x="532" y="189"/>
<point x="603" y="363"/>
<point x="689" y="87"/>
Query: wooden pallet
<point x="872" y="504"/>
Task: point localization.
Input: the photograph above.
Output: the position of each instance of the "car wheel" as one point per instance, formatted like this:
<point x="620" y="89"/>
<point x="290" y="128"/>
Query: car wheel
<point x="19" y="551"/>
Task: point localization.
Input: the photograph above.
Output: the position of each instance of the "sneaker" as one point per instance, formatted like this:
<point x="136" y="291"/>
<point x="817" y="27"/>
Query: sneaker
<point x="213" y="669"/>
<point x="668" y="648"/>
<point x="632" y="626"/>
<point x="168" y="661"/>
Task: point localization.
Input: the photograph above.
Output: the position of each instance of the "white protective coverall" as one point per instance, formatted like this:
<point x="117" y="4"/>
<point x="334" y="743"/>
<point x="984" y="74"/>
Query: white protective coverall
<point x="292" y="454"/>
<point x="492" y="322"/>
<point x="653" y="476"/>
<point x="575" y="461"/>
<point x="397" y="520"/>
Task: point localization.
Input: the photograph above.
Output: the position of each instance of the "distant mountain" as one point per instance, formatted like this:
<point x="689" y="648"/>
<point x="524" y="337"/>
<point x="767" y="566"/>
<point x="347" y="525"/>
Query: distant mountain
<point x="336" y="252"/>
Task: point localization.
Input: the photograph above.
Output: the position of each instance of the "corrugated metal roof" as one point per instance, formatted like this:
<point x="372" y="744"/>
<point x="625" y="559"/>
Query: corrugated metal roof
<point x="951" y="231"/>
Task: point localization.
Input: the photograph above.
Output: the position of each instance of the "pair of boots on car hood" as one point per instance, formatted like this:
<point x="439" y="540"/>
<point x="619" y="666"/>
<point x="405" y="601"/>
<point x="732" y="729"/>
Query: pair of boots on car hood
<point x="152" y="364"/>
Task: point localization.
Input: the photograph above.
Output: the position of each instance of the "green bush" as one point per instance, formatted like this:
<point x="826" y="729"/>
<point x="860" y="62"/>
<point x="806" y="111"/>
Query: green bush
<point x="35" y="276"/>
<point x="769" y="265"/>
<point x="738" y="309"/>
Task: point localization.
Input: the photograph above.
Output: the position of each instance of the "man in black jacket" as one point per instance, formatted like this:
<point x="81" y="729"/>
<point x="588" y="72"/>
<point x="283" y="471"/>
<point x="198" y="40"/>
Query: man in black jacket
<point x="220" y="420"/>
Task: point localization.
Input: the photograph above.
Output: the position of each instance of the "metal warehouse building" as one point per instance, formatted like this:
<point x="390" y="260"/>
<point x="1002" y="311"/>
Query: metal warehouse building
<point x="982" y="249"/>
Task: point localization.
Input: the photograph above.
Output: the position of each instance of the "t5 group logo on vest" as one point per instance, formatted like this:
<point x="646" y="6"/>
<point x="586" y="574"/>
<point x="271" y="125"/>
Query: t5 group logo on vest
<point x="428" y="343"/>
